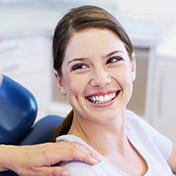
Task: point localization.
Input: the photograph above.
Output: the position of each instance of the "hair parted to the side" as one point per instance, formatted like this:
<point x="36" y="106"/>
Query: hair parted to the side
<point x="80" y="18"/>
<point x="76" y="20"/>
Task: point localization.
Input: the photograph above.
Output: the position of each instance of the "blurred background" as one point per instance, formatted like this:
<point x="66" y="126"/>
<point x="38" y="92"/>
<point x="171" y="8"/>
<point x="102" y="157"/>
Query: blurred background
<point x="26" y="30"/>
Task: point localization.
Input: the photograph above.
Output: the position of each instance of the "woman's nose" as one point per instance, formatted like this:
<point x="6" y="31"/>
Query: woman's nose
<point x="100" y="78"/>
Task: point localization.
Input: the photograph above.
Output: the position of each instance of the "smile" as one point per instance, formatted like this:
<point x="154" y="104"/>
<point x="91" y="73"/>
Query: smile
<point x="101" y="99"/>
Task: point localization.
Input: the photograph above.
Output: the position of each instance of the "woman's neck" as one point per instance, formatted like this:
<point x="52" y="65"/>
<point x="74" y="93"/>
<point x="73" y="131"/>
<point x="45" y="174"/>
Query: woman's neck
<point x="104" y="138"/>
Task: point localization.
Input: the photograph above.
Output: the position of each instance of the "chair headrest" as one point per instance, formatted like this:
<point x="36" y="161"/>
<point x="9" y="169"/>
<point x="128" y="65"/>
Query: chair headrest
<point x="18" y="111"/>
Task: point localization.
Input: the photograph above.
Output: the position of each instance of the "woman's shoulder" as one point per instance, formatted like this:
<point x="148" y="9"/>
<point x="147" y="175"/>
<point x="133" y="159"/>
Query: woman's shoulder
<point x="138" y="124"/>
<point x="79" y="168"/>
<point x="133" y="119"/>
<point x="72" y="138"/>
<point x="131" y="115"/>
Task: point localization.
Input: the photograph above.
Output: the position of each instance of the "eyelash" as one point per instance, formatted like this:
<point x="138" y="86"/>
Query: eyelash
<point x="116" y="60"/>
<point x="78" y="67"/>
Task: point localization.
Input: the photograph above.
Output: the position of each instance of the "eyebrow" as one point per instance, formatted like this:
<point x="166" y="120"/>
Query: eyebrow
<point x="76" y="59"/>
<point x="82" y="59"/>
<point x="114" y="52"/>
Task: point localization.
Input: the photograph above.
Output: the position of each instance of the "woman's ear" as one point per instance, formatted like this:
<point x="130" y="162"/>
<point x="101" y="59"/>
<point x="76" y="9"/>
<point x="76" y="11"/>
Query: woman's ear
<point x="60" y="84"/>
<point x="133" y="66"/>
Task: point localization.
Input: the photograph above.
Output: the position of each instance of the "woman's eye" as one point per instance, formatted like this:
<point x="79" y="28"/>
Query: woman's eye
<point x="114" y="60"/>
<point x="79" y="67"/>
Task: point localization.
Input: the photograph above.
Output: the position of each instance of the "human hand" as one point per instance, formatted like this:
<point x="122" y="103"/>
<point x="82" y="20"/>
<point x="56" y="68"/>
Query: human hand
<point x="36" y="160"/>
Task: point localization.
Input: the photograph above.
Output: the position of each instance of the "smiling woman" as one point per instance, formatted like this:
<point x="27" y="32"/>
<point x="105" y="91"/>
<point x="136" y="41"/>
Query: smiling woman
<point x="99" y="73"/>
<point x="95" y="68"/>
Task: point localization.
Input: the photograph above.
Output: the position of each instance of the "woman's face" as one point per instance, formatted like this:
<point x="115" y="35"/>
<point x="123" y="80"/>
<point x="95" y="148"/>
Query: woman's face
<point x="97" y="74"/>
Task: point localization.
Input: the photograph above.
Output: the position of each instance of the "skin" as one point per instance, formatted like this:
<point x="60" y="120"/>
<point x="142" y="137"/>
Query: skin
<point x="97" y="76"/>
<point x="172" y="159"/>
<point x="102" y="66"/>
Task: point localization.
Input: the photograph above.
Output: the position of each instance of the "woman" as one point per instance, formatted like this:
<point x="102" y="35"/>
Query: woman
<point x="95" y="67"/>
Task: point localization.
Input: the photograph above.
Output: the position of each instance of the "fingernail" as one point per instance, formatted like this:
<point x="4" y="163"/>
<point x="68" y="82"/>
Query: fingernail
<point x="64" y="173"/>
<point x="95" y="161"/>
<point x="97" y="158"/>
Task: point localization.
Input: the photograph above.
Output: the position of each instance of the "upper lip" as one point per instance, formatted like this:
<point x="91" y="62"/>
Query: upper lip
<point x="102" y="93"/>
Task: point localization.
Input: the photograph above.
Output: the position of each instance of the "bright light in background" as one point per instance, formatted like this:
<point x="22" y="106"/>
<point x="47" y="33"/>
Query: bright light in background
<point x="158" y="11"/>
<point x="150" y="8"/>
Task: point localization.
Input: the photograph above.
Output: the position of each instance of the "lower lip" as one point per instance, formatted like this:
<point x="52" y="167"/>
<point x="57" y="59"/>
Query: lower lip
<point x="104" y="105"/>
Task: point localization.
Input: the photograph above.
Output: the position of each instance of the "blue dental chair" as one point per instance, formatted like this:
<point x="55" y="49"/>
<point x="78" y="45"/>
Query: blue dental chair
<point x="18" y="111"/>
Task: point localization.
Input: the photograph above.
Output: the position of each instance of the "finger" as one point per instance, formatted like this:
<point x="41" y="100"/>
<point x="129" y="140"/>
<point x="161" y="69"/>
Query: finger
<point x="54" y="171"/>
<point x="77" y="147"/>
<point x="80" y="152"/>
<point x="83" y="153"/>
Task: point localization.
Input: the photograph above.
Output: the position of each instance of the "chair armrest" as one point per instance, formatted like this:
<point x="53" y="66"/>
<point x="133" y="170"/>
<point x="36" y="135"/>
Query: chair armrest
<point x="42" y="130"/>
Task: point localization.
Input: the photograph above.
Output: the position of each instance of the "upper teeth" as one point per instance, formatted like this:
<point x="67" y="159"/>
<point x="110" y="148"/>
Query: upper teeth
<point x="102" y="99"/>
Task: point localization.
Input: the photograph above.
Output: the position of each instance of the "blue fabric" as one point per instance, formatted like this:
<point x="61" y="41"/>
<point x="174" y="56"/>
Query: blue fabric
<point x="42" y="130"/>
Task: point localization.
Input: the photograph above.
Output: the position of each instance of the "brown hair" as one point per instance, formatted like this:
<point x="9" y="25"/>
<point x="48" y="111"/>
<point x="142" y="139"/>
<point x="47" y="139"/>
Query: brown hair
<point x="74" y="21"/>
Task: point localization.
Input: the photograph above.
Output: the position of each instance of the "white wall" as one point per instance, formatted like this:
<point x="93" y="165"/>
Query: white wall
<point x="148" y="8"/>
<point x="162" y="11"/>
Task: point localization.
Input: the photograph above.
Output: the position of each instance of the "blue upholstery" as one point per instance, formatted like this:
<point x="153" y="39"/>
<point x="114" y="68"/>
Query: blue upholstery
<point x="18" y="111"/>
<point x="42" y="130"/>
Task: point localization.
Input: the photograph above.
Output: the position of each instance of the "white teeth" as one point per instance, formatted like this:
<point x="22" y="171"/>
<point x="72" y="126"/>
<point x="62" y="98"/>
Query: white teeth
<point x="102" y="99"/>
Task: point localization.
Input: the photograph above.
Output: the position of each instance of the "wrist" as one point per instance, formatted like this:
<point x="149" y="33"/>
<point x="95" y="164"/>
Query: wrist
<point x="5" y="160"/>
